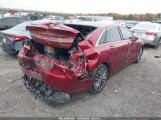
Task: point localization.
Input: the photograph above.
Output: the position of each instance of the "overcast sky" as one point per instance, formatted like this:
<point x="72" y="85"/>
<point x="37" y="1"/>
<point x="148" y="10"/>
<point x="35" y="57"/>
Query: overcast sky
<point x="87" y="6"/>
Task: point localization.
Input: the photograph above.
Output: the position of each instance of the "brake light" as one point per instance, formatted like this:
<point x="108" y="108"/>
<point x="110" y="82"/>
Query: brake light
<point x="151" y="33"/>
<point x="18" y="37"/>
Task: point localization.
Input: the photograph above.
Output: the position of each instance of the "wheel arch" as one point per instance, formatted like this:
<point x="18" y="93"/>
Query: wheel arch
<point x="109" y="68"/>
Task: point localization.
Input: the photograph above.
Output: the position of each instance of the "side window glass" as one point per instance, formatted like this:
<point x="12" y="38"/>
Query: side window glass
<point x="112" y="35"/>
<point x="126" y="34"/>
<point x="19" y="20"/>
<point x="3" y="20"/>
<point x="101" y="40"/>
<point x="10" y="21"/>
<point x="14" y="21"/>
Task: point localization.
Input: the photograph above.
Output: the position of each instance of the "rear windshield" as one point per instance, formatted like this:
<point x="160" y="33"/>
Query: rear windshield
<point x="21" y="26"/>
<point x="146" y="26"/>
<point x="84" y="30"/>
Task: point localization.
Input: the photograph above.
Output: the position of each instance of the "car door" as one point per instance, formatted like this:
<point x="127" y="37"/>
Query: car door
<point x="114" y="48"/>
<point x="132" y="46"/>
<point x="118" y="48"/>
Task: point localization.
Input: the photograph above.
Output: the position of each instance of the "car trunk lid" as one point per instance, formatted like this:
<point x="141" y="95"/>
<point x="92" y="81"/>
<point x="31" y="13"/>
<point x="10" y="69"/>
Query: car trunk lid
<point x="139" y="32"/>
<point x="53" y="34"/>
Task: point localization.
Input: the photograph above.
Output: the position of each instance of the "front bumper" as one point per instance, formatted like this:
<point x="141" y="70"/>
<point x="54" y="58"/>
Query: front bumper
<point x="61" y="79"/>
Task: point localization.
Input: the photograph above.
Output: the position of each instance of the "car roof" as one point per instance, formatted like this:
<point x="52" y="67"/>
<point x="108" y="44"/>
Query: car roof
<point x="147" y="22"/>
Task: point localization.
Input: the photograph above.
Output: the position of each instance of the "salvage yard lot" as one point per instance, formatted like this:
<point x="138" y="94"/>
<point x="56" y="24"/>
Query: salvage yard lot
<point x="133" y="92"/>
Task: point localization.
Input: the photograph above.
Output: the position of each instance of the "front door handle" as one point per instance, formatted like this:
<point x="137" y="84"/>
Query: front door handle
<point x="112" y="46"/>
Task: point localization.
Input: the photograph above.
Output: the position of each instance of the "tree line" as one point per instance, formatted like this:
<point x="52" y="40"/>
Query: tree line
<point x="116" y="16"/>
<point x="136" y="17"/>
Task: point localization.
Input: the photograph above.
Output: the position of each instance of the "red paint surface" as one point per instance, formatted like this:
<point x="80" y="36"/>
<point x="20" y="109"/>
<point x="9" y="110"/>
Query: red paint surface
<point x="115" y="55"/>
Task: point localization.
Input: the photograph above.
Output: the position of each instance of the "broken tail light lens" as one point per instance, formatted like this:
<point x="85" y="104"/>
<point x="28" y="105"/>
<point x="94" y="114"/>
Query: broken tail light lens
<point x="18" y="38"/>
<point x="149" y="36"/>
<point x="151" y="33"/>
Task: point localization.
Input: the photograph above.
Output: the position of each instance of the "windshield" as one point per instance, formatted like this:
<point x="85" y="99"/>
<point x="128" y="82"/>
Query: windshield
<point x="146" y="26"/>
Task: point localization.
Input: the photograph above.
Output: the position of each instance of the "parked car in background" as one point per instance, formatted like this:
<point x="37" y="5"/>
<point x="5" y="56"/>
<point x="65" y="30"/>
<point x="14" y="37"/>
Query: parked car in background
<point x="120" y="22"/>
<point x="36" y="17"/>
<point x="130" y="24"/>
<point x="8" y="22"/>
<point x="62" y="60"/>
<point x="149" y="32"/>
<point x="14" y="38"/>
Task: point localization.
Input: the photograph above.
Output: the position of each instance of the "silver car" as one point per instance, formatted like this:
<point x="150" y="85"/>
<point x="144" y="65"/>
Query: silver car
<point x="149" y="32"/>
<point x="14" y="38"/>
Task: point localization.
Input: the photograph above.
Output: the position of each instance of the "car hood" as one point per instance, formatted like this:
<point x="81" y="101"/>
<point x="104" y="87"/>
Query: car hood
<point x="16" y="33"/>
<point x="53" y="34"/>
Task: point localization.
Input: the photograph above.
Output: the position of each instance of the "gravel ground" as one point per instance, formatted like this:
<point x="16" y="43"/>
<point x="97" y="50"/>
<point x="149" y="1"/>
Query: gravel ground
<point x="133" y="92"/>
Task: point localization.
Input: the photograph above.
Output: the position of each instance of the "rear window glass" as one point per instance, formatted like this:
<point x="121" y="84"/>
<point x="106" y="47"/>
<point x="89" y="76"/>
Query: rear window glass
<point x="21" y="26"/>
<point x="146" y="26"/>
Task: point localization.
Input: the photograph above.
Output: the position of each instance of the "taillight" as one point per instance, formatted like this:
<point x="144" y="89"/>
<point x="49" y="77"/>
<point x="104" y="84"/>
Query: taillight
<point x="17" y="37"/>
<point x="151" y="33"/>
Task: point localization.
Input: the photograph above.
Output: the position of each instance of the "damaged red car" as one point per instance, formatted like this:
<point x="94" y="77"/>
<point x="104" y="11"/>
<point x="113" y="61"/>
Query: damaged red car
<point x="66" y="59"/>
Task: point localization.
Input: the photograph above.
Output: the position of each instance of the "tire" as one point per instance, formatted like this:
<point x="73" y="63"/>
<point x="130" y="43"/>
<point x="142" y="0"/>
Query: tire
<point x="139" y="55"/>
<point x="157" y="45"/>
<point x="100" y="75"/>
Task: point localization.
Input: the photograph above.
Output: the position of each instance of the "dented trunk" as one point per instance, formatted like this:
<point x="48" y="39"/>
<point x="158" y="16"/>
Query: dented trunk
<point x="59" y="56"/>
<point x="52" y="34"/>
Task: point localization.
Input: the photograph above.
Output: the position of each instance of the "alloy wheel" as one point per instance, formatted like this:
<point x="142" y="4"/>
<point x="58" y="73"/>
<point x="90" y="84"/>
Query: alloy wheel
<point x="100" y="79"/>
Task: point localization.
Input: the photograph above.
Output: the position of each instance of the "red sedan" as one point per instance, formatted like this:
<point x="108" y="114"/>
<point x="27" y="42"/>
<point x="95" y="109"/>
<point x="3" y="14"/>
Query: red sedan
<point x="65" y="59"/>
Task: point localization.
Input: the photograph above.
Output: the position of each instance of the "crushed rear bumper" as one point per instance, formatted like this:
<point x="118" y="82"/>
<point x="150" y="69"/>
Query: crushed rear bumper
<point x="59" y="77"/>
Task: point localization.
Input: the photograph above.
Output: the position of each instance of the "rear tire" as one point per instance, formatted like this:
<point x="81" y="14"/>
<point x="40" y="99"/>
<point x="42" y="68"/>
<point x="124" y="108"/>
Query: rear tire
<point x="100" y="75"/>
<point x="157" y="45"/>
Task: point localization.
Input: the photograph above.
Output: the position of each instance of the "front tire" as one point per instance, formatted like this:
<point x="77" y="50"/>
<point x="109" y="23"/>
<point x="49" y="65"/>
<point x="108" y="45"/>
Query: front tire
<point x="100" y="75"/>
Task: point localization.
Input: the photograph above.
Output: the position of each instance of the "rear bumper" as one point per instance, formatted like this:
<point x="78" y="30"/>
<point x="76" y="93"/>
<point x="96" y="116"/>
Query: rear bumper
<point x="48" y="94"/>
<point x="12" y="47"/>
<point x="9" y="48"/>
<point x="152" y="43"/>
<point x="61" y="79"/>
